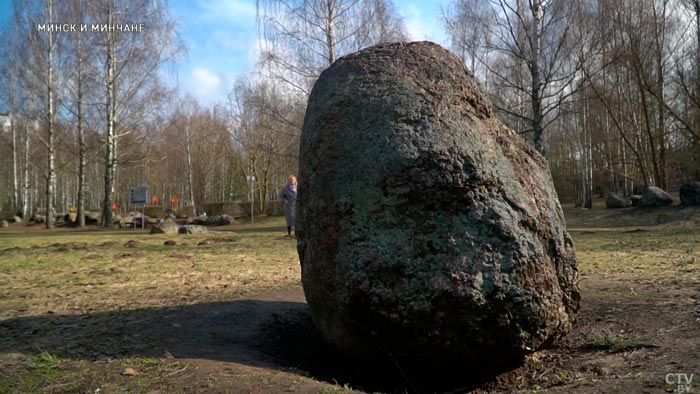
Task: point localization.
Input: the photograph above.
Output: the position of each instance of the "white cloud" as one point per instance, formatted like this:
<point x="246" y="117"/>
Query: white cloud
<point x="416" y="26"/>
<point x="231" y="10"/>
<point x="205" y="85"/>
<point x="423" y="24"/>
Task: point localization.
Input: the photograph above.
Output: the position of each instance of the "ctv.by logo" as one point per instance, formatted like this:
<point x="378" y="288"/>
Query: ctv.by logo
<point x="681" y="381"/>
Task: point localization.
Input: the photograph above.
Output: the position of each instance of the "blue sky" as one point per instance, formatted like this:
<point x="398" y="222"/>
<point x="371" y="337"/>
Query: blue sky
<point x="222" y="40"/>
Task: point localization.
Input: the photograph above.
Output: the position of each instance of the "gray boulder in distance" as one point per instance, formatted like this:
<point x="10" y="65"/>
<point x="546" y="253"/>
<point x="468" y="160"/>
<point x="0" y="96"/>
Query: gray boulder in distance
<point x="635" y="200"/>
<point x="219" y="220"/>
<point x="16" y="219"/>
<point x="653" y="196"/>
<point x="92" y="217"/>
<point x="427" y="229"/>
<point x="614" y="201"/>
<point x="201" y="219"/>
<point x="39" y="218"/>
<point x="690" y="193"/>
<point x="126" y="221"/>
<point x="4" y="224"/>
<point x="167" y="226"/>
<point x="192" y="229"/>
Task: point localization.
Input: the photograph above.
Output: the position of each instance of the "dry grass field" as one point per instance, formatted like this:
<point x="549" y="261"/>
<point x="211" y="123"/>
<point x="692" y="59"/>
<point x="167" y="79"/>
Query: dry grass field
<point x="97" y="311"/>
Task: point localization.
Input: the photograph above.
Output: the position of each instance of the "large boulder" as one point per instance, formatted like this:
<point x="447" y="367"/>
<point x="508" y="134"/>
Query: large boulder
<point x="126" y="221"/>
<point x="71" y="217"/>
<point x="427" y="229"/>
<point x="614" y="201"/>
<point x="4" y="224"/>
<point x="635" y="199"/>
<point x="167" y="226"/>
<point x="690" y="193"/>
<point x="16" y="219"/>
<point x="199" y="220"/>
<point x="192" y="229"/>
<point x="653" y="197"/>
<point x="219" y="220"/>
<point x="93" y="217"/>
<point x="39" y="218"/>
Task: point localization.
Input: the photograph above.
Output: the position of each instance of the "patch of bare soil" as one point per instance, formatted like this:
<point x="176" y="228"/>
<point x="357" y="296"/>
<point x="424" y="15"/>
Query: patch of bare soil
<point x="626" y="343"/>
<point x="68" y="246"/>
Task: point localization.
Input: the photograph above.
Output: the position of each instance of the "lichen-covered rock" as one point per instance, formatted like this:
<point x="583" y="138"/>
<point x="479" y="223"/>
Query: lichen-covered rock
<point x="427" y="229"/>
<point x="219" y="220"/>
<point x="690" y="193"/>
<point x="199" y="220"/>
<point x="192" y="229"/>
<point x="167" y="226"/>
<point x="126" y="221"/>
<point x="614" y="201"/>
<point x="635" y="199"/>
<point x="652" y="197"/>
<point x="92" y="217"/>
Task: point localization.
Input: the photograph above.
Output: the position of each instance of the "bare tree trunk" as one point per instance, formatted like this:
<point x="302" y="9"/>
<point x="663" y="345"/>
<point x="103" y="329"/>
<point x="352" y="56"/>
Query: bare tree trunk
<point x="265" y="183"/>
<point x="536" y="7"/>
<point x="190" y="171"/>
<point x="588" y="153"/>
<point x="82" y="148"/>
<point x="111" y="145"/>
<point x="696" y="142"/>
<point x="663" y="175"/>
<point x="330" y="41"/>
<point x="660" y="38"/>
<point x="51" y="176"/>
<point x="26" y="203"/>
<point x="625" y="175"/>
<point x="15" y="180"/>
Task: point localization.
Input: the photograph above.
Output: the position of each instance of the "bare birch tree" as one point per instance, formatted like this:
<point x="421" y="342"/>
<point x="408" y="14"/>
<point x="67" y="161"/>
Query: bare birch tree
<point x="530" y="49"/>
<point x="468" y="24"/>
<point x="131" y="62"/>
<point x="79" y="78"/>
<point x="306" y="36"/>
<point x="41" y="62"/>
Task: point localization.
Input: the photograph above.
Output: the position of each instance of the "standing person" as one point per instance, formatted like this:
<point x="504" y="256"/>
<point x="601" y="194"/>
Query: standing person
<point x="289" y="197"/>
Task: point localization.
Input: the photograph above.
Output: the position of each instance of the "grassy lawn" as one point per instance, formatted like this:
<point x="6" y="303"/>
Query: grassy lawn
<point x="76" y="272"/>
<point x="72" y="303"/>
<point x="119" y="311"/>
<point x="661" y="254"/>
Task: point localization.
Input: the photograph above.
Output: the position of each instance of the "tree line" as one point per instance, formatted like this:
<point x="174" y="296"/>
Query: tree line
<point x="607" y="90"/>
<point x="89" y="115"/>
